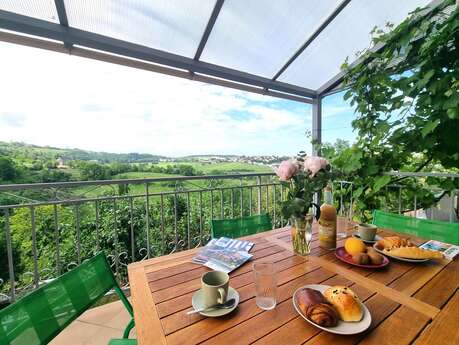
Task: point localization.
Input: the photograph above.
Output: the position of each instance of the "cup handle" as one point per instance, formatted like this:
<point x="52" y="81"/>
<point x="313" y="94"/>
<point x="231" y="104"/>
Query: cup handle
<point x="222" y="293"/>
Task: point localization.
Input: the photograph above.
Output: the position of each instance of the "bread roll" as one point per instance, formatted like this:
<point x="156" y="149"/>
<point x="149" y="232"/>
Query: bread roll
<point x="314" y="306"/>
<point x="345" y="302"/>
<point x="414" y="253"/>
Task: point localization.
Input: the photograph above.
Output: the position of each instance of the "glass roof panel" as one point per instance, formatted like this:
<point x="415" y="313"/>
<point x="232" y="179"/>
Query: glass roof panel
<point x="175" y="26"/>
<point x="347" y="34"/>
<point x="40" y="9"/>
<point x="259" y="38"/>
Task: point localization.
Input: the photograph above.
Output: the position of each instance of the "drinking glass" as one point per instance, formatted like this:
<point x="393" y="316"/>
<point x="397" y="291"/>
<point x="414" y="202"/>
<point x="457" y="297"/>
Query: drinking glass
<point x="265" y="285"/>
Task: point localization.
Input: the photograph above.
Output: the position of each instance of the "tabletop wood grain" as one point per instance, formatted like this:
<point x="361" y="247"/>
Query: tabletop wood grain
<point x="409" y="303"/>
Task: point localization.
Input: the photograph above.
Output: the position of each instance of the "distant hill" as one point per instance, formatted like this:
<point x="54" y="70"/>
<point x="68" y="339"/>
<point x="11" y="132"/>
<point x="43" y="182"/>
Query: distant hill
<point x="28" y="152"/>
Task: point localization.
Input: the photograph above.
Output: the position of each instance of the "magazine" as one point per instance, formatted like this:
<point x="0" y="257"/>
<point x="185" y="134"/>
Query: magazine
<point x="224" y="254"/>
<point x="450" y="251"/>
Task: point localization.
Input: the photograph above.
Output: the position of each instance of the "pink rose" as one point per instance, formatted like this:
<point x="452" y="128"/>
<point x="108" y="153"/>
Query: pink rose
<point x="314" y="164"/>
<point x="286" y="170"/>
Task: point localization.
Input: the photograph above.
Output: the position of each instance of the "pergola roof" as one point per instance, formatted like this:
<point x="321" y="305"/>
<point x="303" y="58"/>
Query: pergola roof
<point x="286" y="48"/>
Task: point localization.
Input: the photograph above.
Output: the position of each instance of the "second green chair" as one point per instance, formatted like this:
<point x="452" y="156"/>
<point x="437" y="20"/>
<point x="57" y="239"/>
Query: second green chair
<point x="239" y="227"/>
<point x="425" y="228"/>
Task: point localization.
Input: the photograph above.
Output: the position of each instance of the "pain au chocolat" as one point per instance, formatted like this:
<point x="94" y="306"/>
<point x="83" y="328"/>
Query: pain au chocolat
<point x="315" y="307"/>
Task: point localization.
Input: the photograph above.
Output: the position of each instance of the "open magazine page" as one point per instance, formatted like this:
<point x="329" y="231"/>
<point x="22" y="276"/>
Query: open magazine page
<point x="230" y="243"/>
<point x="224" y="254"/>
<point x="450" y="251"/>
<point x="225" y="260"/>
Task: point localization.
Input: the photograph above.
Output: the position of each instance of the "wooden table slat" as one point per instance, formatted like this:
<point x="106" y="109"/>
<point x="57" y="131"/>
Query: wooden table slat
<point x="444" y="329"/>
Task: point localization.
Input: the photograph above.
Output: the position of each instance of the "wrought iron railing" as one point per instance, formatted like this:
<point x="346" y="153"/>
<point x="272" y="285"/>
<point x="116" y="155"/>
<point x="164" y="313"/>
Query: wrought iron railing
<point x="52" y="227"/>
<point x="49" y="228"/>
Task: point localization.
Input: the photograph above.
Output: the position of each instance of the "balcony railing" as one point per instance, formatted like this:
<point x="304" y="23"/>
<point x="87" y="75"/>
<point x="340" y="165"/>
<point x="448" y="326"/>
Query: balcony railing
<point x="55" y="226"/>
<point x="49" y="228"/>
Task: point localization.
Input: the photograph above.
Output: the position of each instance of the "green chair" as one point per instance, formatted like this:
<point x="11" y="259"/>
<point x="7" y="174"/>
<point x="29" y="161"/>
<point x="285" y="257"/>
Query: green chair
<point x="41" y="315"/>
<point x="425" y="228"/>
<point x="239" y="227"/>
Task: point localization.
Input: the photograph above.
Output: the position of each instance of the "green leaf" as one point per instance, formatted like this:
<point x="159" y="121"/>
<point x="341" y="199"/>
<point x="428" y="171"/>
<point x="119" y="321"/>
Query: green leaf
<point x="453" y="113"/>
<point x="451" y="102"/>
<point x="429" y="127"/>
<point x="381" y="182"/>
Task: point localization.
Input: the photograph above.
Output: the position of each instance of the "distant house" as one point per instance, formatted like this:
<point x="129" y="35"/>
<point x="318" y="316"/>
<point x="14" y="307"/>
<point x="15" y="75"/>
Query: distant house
<point x="61" y="163"/>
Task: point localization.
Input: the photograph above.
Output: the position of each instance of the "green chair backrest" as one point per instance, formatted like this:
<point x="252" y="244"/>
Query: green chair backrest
<point x="425" y="228"/>
<point x="238" y="227"/>
<point x="39" y="316"/>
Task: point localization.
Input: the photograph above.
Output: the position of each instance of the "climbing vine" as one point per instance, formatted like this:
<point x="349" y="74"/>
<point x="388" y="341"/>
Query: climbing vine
<point x="406" y="96"/>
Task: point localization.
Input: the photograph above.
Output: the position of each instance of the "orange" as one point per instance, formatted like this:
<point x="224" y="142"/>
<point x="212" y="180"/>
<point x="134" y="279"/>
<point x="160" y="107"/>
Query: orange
<point x="354" y="246"/>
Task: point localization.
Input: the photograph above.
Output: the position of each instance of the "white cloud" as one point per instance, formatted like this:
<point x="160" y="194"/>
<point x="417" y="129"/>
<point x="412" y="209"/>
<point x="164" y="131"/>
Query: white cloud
<point x="52" y="99"/>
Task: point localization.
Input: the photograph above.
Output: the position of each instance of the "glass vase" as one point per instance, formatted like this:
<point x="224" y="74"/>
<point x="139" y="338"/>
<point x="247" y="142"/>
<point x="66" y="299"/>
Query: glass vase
<point x="301" y="229"/>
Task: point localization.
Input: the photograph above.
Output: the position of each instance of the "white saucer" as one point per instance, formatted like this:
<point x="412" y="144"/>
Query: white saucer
<point x="197" y="302"/>
<point x="376" y="239"/>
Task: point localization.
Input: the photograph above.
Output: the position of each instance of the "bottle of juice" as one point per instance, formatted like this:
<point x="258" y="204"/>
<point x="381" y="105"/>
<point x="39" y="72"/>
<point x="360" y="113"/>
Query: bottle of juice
<point x="327" y="222"/>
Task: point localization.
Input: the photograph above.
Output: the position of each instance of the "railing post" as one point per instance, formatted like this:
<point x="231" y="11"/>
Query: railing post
<point x="200" y="218"/>
<point x="36" y="277"/>
<point x="96" y="205"/>
<point x="222" y="206"/>
<point x="77" y="229"/>
<point x="250" y="200"/>
<point x="341" y="200"/>
<point x="57" y="240"/>
<point x="211" y="204"/>
<point x="131" y="216"/>
<point x="175" y="222"/>
<point x="281" y="199"/>
<point x="9" y="251"/>
<point x="232" y="202"/>
<point x="267" y="198"/>
<point x="259" y="194"/>
<point x="147" y="217"/>
<point x="163" y="235"/>
<point x="188" y="219"/>
<point x="115" y="239"/>
<point x="241" y="199"/>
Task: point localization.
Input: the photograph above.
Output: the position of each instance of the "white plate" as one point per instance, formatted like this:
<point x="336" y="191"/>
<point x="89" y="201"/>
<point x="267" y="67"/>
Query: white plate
<point x="398" y="257"/>
<point x="342" y="327"/>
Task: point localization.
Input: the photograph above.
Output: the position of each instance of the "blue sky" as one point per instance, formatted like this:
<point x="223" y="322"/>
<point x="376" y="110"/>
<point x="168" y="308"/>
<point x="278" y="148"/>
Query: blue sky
<point x="59" y="100"/>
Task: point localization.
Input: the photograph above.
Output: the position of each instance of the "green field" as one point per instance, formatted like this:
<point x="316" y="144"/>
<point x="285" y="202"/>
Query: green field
<point x="206" y="169"/>
<point x="223" y="167"/>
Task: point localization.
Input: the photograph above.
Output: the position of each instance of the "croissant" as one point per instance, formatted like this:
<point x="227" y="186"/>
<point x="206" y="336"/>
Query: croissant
<point x="314" y="306"/>
<point x="414" y="253"/>
<point x="393" y="242"/>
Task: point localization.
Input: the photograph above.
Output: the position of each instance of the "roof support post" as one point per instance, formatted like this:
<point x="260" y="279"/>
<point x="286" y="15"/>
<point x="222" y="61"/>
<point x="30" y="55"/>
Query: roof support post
<point x="63" y="20"/>
<point x="316" y="125"/>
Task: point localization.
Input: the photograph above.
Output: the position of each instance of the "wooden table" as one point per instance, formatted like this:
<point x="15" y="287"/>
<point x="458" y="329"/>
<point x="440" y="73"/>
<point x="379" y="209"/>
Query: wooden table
<point x="409" y="303"/>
